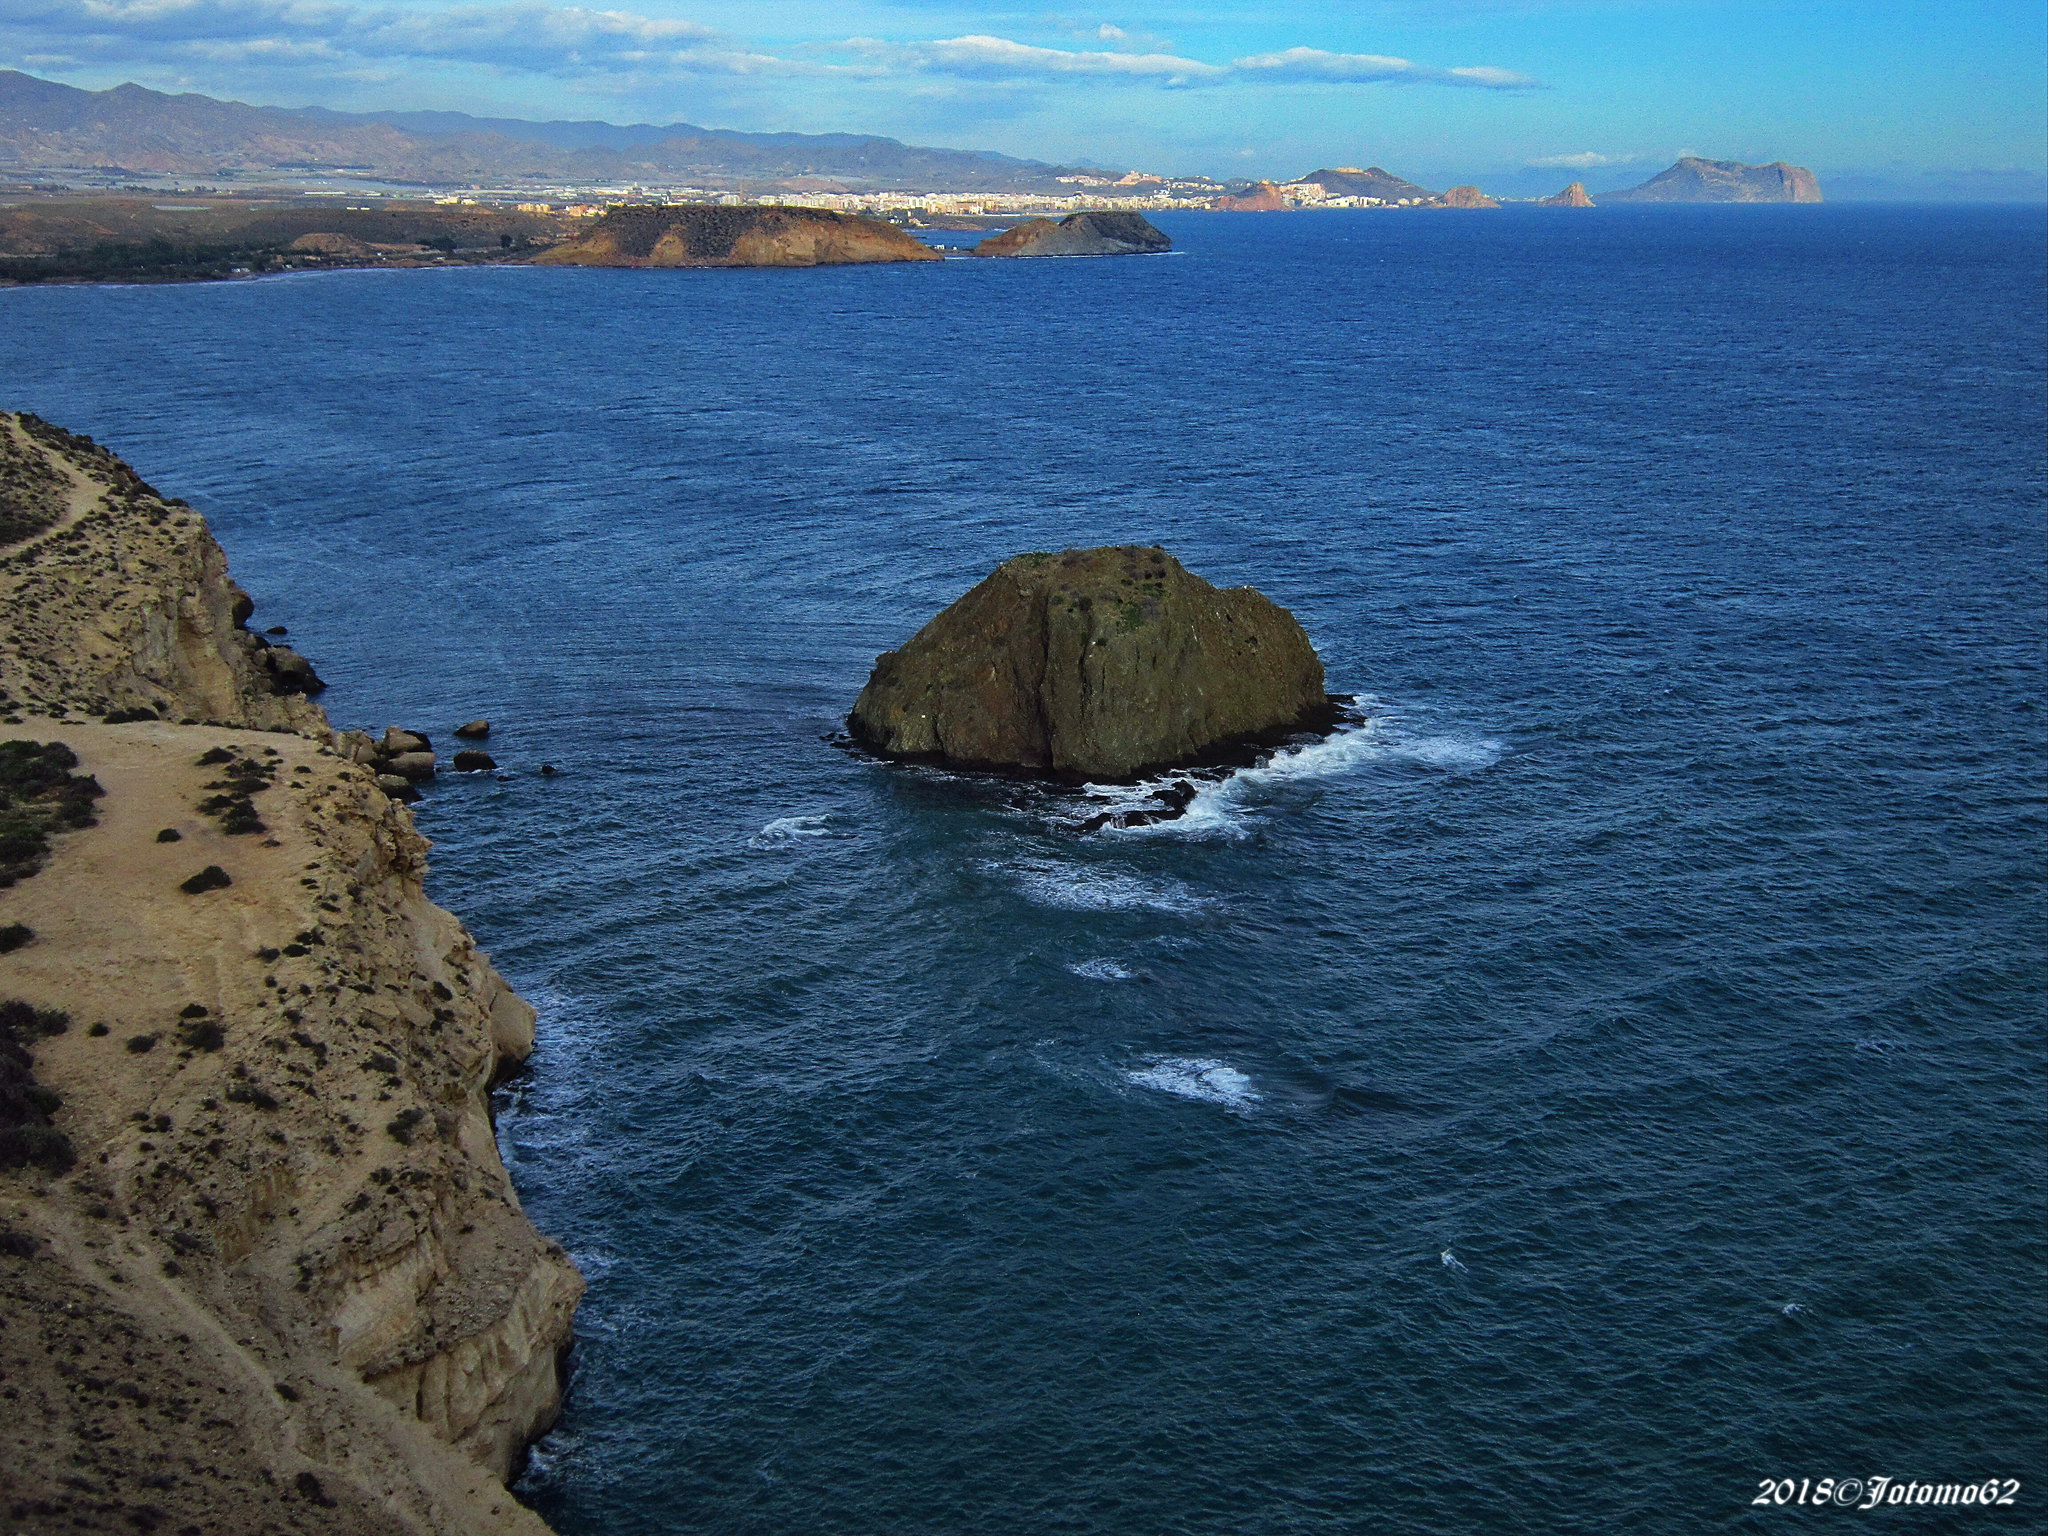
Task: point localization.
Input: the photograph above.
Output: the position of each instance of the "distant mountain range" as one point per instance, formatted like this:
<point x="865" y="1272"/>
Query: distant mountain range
<point x="46" y="125"/>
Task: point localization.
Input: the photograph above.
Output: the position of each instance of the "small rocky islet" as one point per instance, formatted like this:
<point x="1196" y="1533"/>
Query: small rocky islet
<point x="1104" y="665"/>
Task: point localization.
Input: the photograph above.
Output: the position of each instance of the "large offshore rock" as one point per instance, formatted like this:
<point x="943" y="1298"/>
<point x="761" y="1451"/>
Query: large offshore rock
<point x="1079" y="234"/>
<point x="1092" y="664"/>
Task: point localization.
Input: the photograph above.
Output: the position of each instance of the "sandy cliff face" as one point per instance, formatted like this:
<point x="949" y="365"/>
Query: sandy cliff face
<point x="122" y="600"/>
<point x="286" y="1284"/>
<point x="735" y="237"/>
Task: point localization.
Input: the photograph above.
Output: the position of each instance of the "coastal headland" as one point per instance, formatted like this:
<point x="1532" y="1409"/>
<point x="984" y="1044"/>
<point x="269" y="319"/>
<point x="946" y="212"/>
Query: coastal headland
<point x="261" y="1267"/>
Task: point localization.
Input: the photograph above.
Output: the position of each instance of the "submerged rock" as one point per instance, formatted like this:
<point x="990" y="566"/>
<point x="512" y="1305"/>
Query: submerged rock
<point x="1094" y="664"/>
<point x="1078" y="234"/>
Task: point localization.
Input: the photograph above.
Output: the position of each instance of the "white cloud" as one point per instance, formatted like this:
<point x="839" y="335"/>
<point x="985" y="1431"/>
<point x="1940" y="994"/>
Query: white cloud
<point x="1585" y="160"/>
<point x="997" y="58"/>
<point x="573" y="41"/>
<point x="1315" y="64"/>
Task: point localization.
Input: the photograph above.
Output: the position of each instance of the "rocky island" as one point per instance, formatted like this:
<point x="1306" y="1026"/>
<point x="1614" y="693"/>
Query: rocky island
<point x="1079" y="234"/>
<point x="699" y="236"/>
<point x="1093" y="664"/>
<point x="261" y="1268"/>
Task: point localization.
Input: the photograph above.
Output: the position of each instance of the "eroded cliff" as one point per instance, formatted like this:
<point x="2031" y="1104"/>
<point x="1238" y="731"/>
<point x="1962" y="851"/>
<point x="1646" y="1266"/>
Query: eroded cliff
<point x="280" y="1280"/>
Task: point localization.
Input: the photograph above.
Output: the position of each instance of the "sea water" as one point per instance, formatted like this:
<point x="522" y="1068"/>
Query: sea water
<point x="1607" y="1077"/>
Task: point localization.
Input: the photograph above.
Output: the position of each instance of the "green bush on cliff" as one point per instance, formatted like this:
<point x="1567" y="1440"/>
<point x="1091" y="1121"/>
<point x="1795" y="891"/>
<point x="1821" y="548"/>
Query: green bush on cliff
<point x="27" y="1138"/>
<point x="39" y="795"/>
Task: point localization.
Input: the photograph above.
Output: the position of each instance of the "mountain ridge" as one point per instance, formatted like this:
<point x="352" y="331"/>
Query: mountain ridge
<point x="44" y="123"/>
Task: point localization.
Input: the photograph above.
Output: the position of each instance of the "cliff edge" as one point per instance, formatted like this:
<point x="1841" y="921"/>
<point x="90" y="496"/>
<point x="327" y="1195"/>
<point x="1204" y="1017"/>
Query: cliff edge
<point x="1099" y="664"/>
<point x="692" y="236"/>
<point x="261" y="1268"/>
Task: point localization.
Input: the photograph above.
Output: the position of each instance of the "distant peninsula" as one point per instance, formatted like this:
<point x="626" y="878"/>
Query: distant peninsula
<point x="694" y="236"/>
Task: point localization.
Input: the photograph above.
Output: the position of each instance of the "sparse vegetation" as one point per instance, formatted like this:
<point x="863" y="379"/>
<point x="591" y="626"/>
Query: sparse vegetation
<point x="211" y="878"/>
<point x="14" y="935"/>
<point x="27" y="1138"/>
<point x="39" y="795"/>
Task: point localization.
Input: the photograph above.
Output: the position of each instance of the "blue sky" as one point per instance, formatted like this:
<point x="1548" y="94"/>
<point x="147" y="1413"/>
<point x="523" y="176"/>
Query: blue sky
<point x="1610" y="90"/>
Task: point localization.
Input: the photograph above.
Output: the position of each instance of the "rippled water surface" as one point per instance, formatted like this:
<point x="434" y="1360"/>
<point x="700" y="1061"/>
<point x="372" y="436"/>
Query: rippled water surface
<point x="1607" y="1078"/>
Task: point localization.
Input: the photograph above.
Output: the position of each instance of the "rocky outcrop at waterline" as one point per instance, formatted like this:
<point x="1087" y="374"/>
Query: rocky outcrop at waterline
<point x="1092" y="664"/>
<point x="1079" y="234"/>
<point x="696" y="236"/>
<point x="1464" y="197"/>
<point x="1573" y="196"/>
<point x="261" y="1268"/>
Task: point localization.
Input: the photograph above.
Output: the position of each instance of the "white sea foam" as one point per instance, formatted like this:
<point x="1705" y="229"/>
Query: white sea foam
<point x="1221" y="807"/>
<point x="785" y="830"/>
<point x="1082" y="888"/>
<point x="1196" y="1077"/>
<point x="1101" y="970"/>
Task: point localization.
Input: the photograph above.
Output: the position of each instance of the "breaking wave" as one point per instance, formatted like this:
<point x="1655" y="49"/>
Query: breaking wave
<point x="1196" y="1077"/>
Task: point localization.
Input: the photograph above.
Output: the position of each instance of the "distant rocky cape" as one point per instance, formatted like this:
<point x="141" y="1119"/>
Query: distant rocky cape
<point x="697" y="236"/>
<point x="1093" y="664"/>
<point x="1693" y="180"/>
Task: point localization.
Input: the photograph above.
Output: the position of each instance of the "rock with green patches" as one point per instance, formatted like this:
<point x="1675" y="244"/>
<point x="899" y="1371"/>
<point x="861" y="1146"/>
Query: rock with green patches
<point x="1098" y="664"/>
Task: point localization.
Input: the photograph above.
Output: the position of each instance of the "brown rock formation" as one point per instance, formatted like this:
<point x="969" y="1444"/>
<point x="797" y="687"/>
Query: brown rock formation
<point x="285" y="1284"/>
<point x="1465" y="197"/>
<point x="1260" y="197"/>
<point x="1573" y="196"/>
<point x="1694" y="180"/>
<point x="1373" y="181"/>
<point x="1094" y="664"/>
<point x="328" y="243"/>
<point x="734" y="237"/>
<point x="1079" y="234"/>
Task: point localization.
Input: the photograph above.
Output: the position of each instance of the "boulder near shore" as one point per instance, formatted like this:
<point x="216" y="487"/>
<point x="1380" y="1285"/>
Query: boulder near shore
<point x="1093" y="664"/>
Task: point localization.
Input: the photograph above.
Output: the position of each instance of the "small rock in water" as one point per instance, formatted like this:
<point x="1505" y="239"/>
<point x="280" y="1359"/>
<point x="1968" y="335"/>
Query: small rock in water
<point x="410" y="765"/>
<point x="476" y="730"/>
<point x="277" y="629"/>
<point x="473" y="762"/>
<point x="549" y="770"/>
<point x="397" y="741"/>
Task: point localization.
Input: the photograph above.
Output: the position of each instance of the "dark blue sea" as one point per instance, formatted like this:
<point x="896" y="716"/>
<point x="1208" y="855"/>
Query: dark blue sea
<point x="1610" y="1077"/>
